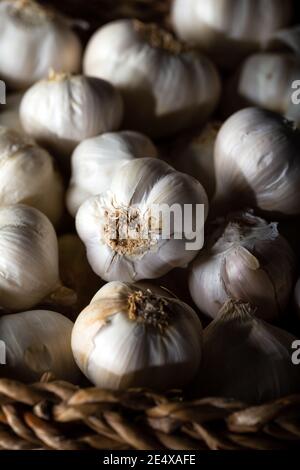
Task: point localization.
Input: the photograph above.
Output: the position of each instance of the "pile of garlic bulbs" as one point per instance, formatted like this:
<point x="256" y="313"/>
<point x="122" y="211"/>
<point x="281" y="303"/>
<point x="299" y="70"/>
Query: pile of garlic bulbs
<point x="149" y="185"/>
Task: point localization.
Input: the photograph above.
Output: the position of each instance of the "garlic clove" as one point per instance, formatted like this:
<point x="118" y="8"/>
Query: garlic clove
<point x="132" y="337"/>
<point x="96" y="160"/>
<point x="33" y="34"/>
<point x="245" y="358"/>
<point x="245" y="258"/>
<point x="61" y="111"/>
<point x="129" y="231"/>
<point x="28" y="175"/>
<point x="165" y="88"/>
<point x="36" y="342"/>
<point x="257" y="164"/>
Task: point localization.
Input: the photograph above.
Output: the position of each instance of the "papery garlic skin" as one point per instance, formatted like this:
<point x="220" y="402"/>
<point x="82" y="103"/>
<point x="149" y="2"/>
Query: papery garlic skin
<point x="36" y="342"/>
<point x="229" y="30"/>
<point x="246" y="359"/>
<point x="9" y="112"/>
<point x="196" y="156"/>
<point x="29" y="257"/>
<point x="62" y="110"/>
<point x="257" y="163"/>
<point x="124" y="236"/>
<point x="265" y="80"/>
<point x="28" y="176"/>
<point x="245" y="258"/>
<point x="33" y="40"/>
<point x="130" y="336"/>
<point x="165" y="89"/>
<point x="96" y="160"/>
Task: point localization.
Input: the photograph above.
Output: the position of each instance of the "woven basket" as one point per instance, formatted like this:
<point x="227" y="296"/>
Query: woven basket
<point x="58" y="415"/>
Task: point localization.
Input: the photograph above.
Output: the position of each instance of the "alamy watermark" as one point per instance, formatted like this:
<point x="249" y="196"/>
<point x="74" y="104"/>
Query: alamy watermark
<point x="2" y="92"/>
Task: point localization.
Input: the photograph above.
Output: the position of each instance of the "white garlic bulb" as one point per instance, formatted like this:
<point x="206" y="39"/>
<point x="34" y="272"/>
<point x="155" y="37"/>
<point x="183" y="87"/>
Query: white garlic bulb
<point x="28" y="176"/>
<point x="9" y="112"/>
<point x="29" y="258"/>
<point x="246" y="259"/>
<point x="129" y="231"/>
<point x="265" y="80"/>
<point x="257" y="163"/>
<point x="130" y="336"/>
<point x="165" y="88"/>
<point x="36" y="342"/>
<point x="34" y="39"/>
<point x="246" y="359"/>
<point x="95" y="161"/>
<point x="62" y="110"/>
<point x="195" y="156"/>
<point x="229" y="30"/>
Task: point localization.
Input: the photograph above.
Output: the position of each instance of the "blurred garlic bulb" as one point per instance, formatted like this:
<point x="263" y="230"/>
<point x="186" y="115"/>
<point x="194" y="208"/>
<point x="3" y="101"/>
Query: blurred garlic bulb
<point x="62" y="110"/>
<point x="246" y="359"/>
<point x="229" y="30"/>
<point x="36" y="342"/>
<point x="165" y="88"/>
<point x="28" y="176"/>
<point x="34" y="39"/>
<point x="130" y="336"/>
<point x="75" y="271"/>
<point x="95" y="161"/>
<point x="257" y="163"/>
<point x="129" y="231"/>
<point x="245" y="259"/>
<point x="265" y="80"/>
<point x="9" y="112"/>
<point x="196" y="156"/>
<point x="29" y="259"/>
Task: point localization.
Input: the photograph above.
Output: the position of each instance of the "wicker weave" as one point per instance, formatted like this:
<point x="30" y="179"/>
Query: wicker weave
<point x="58" y="415"/>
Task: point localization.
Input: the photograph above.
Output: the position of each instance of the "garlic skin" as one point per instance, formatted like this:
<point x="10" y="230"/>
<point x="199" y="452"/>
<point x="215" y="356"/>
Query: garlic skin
<point x="96" y="160"/>
<point x="195" y="156"/>
<point x="9" y="112"/>
<point x="28" y="176"/>
<point x="124" y="235"/>
<point x="165" y="88"/>
<point x="29" y="257"/>
<point x="61" y="111"/>
<point x="246" y="259"/>
<point x="246" y="359"/>
<point x="33" y="40"/>
<point x="36" y="342"/>
<point x="229" y="30"/>
<point x="75" y="272"/>
<point x="265" y="80"/>
<point x="257" y="163"/>
<point x="130" y="336"/>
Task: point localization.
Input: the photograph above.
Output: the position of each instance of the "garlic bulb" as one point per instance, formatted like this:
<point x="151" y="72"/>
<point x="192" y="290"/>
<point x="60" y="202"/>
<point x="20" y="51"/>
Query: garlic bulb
<point x="36" y="342"/>
<point x="257" y="163"/>
<point x="265" y="80"/>
<point x="63" y="110"/>
<point x="75" y="271"/>
<point x="27" y="175"/>
<point x="195" y="156"/>
<point x="34" y="39"/>
<point x="245" y="259"/>
<point x="29" y="259"/>
<point x="229" y="30"/>
<point x="95" y="161"/>
<point x="9" y="112"/>
<point x="246" y="359"/>
<point x="165" y="88"/>
<point x="131" y="336"/>
<point x="129" y="231"/>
